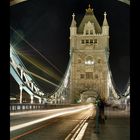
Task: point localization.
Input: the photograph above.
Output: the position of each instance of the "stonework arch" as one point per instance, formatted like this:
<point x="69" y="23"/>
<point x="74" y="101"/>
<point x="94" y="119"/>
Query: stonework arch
<point x="88" y="94"/>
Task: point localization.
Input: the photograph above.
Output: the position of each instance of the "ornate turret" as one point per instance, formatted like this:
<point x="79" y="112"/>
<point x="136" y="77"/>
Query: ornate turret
<point x="89" y="11"/>
<point x="105" y="27"/>
<point x="73" y="28"/>
<point x="89" y="17"/>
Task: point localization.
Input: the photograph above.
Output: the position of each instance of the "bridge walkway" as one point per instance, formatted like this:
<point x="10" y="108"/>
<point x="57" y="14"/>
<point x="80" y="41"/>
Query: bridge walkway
<point x="116" y="127"/>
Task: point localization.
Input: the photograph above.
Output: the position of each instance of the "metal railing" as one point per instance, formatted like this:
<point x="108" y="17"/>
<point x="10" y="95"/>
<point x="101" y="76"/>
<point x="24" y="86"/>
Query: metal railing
<point x="23" y="107"/>
<point x="17" y="107"/>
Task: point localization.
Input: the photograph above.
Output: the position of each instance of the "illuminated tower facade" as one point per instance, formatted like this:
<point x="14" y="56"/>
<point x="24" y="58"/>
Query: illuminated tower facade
<point x="89" y="51"/>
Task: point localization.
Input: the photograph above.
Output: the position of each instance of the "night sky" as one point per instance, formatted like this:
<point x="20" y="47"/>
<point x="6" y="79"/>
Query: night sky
<point x="45" y="24"/>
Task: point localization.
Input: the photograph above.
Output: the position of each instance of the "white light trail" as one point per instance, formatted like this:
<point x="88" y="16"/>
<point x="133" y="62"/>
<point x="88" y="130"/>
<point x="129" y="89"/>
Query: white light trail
<point x="36" y="75"/>
<point x="36" y="50"/>
<point x="16" y="127"/>
<point x="39" y="111"/>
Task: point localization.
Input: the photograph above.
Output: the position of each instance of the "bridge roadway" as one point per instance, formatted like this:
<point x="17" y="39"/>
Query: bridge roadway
<point x="56" y="124"/>
<point x="68" y="123"/>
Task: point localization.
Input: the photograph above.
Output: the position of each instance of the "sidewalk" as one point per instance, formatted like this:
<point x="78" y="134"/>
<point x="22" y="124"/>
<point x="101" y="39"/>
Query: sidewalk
<point x="116" y="127"/>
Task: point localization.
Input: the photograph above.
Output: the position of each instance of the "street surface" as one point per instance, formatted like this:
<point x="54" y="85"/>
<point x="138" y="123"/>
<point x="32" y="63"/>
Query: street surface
<point x="57" y="124"/>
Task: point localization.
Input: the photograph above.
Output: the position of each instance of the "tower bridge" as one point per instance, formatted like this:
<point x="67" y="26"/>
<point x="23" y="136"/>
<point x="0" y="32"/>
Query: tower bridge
<point x="88" y="76"/>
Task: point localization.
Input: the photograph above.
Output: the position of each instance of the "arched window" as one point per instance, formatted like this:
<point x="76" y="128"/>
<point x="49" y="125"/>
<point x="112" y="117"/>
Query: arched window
<point x="87" y="32"/>
<point x="89" y="61"/>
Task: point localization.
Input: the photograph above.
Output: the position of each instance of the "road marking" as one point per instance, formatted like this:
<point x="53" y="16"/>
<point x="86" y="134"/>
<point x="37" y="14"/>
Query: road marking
<point x="81" y="133"/>
<point x="72" y="132"/>
<point x="78" y="135"/>
<point x="78" y="130"/>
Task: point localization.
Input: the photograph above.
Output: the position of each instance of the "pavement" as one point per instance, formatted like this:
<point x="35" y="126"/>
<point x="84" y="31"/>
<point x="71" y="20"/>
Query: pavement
<point x="116" y="127"/>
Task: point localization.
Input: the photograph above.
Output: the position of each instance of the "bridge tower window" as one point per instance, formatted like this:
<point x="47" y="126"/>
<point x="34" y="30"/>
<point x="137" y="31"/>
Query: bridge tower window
<point x="87" y="41"/>
<point x="91" y="32"/>
<point x="82" y="76"/>
<point x="91" y="41"/>
<point x="89" y="61"/>
<point x="99" y="61"/>
<point x="95" y="41"/>
<point x="89" y="75"/>
<point x="87" y="32"/>
<point x="82" y="41"/>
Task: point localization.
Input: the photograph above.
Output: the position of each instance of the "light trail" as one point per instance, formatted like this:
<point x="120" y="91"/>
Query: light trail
<point x="40" y="77"/>
<point x="45" y="70"/>
<point x="38" y="111"/>
<point x="36" y="50"/>
<point x="75" y="110"/>
<point x="33" y="130"/>
<point x="36" y="75"/>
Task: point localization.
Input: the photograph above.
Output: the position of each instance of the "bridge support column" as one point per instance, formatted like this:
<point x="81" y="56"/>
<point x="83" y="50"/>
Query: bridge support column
<point x="55" y="97"/>
<point x="21" y="74"/>
<point x="32" y="98"/>
<point x="20" y="98"/>
<point x="40" y="100"/>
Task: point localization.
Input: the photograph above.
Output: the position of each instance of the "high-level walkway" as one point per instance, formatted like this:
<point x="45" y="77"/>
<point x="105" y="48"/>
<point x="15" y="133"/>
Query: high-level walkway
<point x="116" y="127"/>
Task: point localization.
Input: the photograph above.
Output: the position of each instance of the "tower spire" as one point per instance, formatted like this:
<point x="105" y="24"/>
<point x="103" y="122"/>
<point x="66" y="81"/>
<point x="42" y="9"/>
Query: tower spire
<point x="105" y="26"/>
<point x="89" y="6"/>
<point x="73" y="23"/>
<point x="73" y="28"/>
<point x="73" y="16"/>
<point x="105" y="23"/>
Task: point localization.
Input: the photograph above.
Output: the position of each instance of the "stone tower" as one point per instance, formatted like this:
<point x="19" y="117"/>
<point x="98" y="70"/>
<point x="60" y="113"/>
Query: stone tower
<point x="89" y="52"/>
